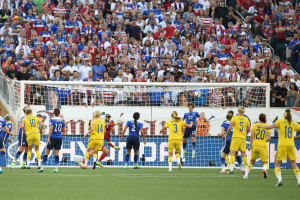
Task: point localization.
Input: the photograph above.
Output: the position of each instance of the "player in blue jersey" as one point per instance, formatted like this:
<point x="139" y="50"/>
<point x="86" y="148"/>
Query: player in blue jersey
<point x="226" y="149"/>
<point x="189" y="117"/>
<point x="57" y="126"/>
<point x="4" y="132"/>
<point x="23" y="146"/>
<point x="133" y="138"/>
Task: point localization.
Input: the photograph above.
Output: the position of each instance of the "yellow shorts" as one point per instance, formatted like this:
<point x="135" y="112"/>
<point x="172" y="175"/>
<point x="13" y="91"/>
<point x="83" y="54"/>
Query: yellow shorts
<point x="33" y="138"/>
<point x="238" y="143"/>
<point x="95" y="144"/>
<point x="286" y="152"/>
<point x="261" y="151"/>
<point x="174" y="144"/>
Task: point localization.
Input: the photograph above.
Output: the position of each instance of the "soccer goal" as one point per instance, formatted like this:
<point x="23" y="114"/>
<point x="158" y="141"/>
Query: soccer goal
<point x="154" y="101"/>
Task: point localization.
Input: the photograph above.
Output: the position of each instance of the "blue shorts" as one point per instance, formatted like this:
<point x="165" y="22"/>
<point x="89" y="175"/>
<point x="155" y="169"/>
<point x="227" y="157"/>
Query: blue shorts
<point x="190" y="132"/>
<point x="23" y="140"/>
<point x="54" y="143"/>
<point x="133" y="142"/>
<point x="2" y="143"/>
<point x="226" y="148"/>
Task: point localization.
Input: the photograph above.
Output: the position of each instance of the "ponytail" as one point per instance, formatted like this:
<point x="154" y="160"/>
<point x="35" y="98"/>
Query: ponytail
<point x="7" y="117"/>
<point x="175" y="116"/>
<point x="136" y="116"/>
<point x="288" y="115"/>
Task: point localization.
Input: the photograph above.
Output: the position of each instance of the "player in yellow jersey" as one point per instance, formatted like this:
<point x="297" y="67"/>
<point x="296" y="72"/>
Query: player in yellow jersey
<point x="97" y="130"/>
<point x="286" y="144"/>
<point x="175" y="137"/>
<point x="30" y="125"/>
<point x="240" y="125"/>
<point x="258" y="143"/>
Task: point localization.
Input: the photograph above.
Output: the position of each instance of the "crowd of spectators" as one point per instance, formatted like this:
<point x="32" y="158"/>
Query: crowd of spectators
<point x="199" y="41"/>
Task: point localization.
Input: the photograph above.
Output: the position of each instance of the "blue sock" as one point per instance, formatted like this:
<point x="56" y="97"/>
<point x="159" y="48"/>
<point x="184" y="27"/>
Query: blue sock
<point x="194" y="146"/>
<point x="2" y="153"/>
<point x="127" y="159"/>
<point x="222" y="161"/>
<point x="56" y="161"/>
<point x="18" y="155"/>
<point x="184" y="146"/>
<point x="135" y="159"/>
<point x="239" y="160"/>
<point x="24" y="157"/>
<point x="45" y="158"/>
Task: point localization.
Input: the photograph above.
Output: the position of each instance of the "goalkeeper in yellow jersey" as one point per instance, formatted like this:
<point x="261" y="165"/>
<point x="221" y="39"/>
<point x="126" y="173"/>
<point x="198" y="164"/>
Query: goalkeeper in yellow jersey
<point x="97" y="130"/>
<point x="175" y="137"/>
<point x="30" y="125"/>
<point x="240" y="125"/>
<point x="258" y="143"/>
<point x="286" y="144"/>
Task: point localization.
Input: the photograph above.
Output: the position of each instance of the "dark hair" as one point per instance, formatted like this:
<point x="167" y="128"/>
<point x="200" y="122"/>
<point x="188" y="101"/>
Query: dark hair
<point x="295" y="86"/>
<point x="191" y="104"/>
<point x="262" y="118"/>
<point x="288" y="115"/>
<point x="56" y="111"/>
<point x="229" y="116"/>
<point x="231" y="112"/>
<point x="136" y="116"/>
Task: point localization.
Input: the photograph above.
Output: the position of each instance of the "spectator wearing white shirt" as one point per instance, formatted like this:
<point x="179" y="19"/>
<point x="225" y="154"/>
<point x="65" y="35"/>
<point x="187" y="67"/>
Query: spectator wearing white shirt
<point x="296" y="80"/>
<point x="151" y="27"/>
<point x="287" y="70"/>
<point x="71" y="68"/>
<point x="5" y="31"/>
<point x="84" y="69"/>
<point x="195" y="57"/>
<point x="179" y="7"/>
<point x="120" y="76"/>
<point x="205" y="4"/>
<point x="208" y="45"/>
<point x="23" y="46"/>
<point x="53" y="67"/>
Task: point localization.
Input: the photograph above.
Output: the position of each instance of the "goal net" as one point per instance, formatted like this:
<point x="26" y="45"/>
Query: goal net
<point x="154" y="101"/>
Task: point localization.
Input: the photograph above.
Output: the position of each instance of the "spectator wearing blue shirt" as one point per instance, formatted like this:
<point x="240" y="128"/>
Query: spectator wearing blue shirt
<point x="29" y="5"/>
<point x="57" y="76"/>
<point x="156" y="96"/>
<point x="98" y="69"/>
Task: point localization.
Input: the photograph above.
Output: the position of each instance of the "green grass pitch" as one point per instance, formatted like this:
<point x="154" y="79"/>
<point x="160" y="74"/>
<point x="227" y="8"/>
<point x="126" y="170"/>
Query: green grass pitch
<point x="143" y="184"/>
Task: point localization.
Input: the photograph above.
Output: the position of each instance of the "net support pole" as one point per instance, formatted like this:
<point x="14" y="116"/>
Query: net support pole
<point x="22" y="97"/>
<point x="268" y="100"/>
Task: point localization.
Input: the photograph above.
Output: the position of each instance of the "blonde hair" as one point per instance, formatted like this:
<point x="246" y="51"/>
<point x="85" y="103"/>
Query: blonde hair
<point x="175" y="116"/>
<point x="96" y="114"/>
<point x="7" y="117"/>
<point x="28" y="111"/>
<point x="241" y="109"/>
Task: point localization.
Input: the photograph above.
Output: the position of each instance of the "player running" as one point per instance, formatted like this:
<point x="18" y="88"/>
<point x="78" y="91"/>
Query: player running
<point x="175" y="137"/>
<point x="133" y="138"/>
<point x="30" y="125"/>
<point x="96" y="139"/>
<point x="286" y="144"/>
<point x="23" y="146"/>
<point x="189" y="117"/>
<point x="258" y="143"/>
<point x="56" y="127"/>
<point x="241" y="126"/>
<point x="4" y="132"/>
<point x="109" y="128"/>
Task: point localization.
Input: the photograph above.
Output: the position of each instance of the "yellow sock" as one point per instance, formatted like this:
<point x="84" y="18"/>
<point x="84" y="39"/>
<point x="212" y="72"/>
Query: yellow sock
<point x="95" y="157"/>
<point x="177" y="155"/>
<point x="226" y="160"/>
<point x="249" y="167"/>
<point x="245" y="160"/>
<point x="278" y="173"/>
<point x="38" y="155"/>
<point x="297" y="174"/>
<point x="29" y="155"/>
<point x="86" y="157"/>
<point x="232" y="159"/>
<point x="170" y="159"/>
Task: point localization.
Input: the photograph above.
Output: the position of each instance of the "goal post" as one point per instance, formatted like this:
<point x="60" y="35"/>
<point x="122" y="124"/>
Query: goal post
<point x="154" y="101"/>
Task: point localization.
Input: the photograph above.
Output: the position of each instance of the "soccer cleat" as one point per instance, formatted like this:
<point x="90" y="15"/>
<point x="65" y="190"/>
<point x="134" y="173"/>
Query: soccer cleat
<point x="117" y="148"/>
<point x="1" y="171"/>
<point x="193" y="155"/>
<point x="230" y="172"/>
<point x="245" y="177"/>
<point x="223" y="172"/>
<point x="54" y="171"/>
<point x="81" y="164"/>
<point x="94" y="165"/>
<point x="27" y="167"/>
<point x="184" y="154"/>
<point x="279" y="184"/>
<point x="24" y="166"/>
<point x="39" y="167"/>
<point x="99" y="164"/>
<point x="170" y="170"/>
<point x="42" y="169"/>
<point x="265" y="173"/>
<point x="83" y="167"/>
<point x="242" y="171"/>
<point x="298" y="184"/>
<point x="136" y="167"/>
<point x="125" y="166"/>
<point x="12" y="165"/>
<point x="119" y="122"/>
<point x="179" y="165"/>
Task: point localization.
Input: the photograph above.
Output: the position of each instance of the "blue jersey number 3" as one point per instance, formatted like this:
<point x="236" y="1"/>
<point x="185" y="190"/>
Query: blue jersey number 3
<point x="175" y="126"/>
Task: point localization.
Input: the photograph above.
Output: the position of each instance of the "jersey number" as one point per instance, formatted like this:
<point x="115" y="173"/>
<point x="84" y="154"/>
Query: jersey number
<point x="100" y="129"/>
<point x="288" y="132"/>
<point x="32" y="123"/>
<point x="58" y="128"/>
<point x="261" y="134"/>
<point x="175" y="126"/>
<point x="242" y="128"/>
<point x="133" y="128"/>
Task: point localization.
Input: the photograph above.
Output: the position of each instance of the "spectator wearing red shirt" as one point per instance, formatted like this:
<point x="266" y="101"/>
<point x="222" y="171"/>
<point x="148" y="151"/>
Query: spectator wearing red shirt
<point x="48" y="4"/>
<point x="239" y="54"/>
<point x="169" y="29"/>
<point x="259" y="19"/>
<point x="159" y="32"/>
<point x="227" y="41"/>
<point x="245" y="5"/>
<point x="269" y="32"/>
<point x="280" y="30"/>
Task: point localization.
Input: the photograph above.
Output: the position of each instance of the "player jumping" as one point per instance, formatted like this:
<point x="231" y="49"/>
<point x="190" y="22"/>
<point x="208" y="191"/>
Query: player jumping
<point x="286" y="144"/>
<point x="189" y="117"/>
<point x="258" y="143"/>
<point x="57" y="126"/>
